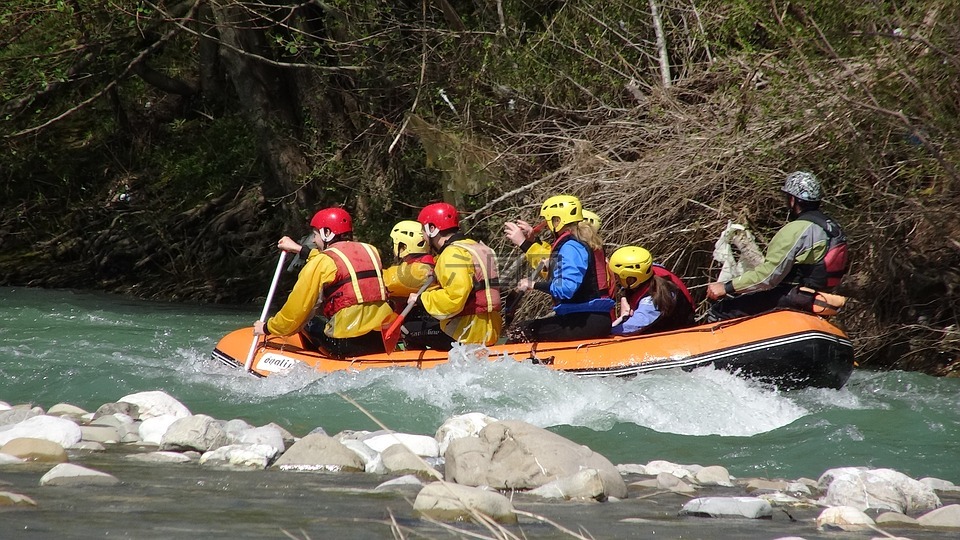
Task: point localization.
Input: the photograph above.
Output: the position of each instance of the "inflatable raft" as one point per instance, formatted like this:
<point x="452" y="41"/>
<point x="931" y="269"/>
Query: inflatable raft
<point x="786" y="348"/>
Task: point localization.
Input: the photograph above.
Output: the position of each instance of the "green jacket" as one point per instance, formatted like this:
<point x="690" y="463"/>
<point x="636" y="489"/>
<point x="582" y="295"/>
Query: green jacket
<point x="798" y="242"/>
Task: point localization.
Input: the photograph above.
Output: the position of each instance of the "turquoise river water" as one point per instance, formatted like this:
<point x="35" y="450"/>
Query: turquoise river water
<point x="88" y="349"/>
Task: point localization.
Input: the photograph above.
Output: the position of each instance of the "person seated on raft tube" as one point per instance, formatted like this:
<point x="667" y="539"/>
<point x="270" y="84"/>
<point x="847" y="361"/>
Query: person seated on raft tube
<point x="343" y="279"/>
<point x="578" y="282"/>
<point x="654" y="299"/>
<point x="523" y="235"/>
<point x="809" y="252"/>
<point x="414" y="267"/>
<point x="467" y="299"/>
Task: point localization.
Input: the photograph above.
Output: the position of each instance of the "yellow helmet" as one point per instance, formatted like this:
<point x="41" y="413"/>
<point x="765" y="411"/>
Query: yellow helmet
<point x="631" y="262"/>
<point x="566" y="208"/>
<point x="592" y="219"/>
<point x="408" y="238"/>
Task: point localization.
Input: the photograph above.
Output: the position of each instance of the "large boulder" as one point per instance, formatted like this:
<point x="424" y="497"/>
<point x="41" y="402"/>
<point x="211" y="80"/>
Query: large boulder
<point x="450" y="502"/>
<point x="199" y="432"/>
<point x="464" y="425"/>
<point x="319" y="452"/>
<point x="877" y="489"/>
<point x="516" y="455"/>
<point x="155" y="403"/>
<point x="64" y="432"/>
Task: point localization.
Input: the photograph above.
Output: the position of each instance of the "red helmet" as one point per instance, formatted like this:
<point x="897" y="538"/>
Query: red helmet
<point x="441" y="215"/>
<point x="335" y="219"/>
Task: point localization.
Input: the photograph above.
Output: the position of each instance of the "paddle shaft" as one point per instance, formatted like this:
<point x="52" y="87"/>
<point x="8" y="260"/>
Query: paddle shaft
<point x="394" y="328"/>
<point x="266" y="309"/>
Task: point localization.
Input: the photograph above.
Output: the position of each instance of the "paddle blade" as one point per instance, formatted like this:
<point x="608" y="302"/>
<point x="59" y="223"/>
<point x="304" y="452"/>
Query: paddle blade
<point x="391" y="334"/>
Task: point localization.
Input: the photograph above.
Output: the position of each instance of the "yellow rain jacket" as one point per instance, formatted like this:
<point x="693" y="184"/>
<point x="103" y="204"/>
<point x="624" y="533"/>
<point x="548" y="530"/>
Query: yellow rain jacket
<point x="352" y="321"/>
<point x="456" y="281"/>
<point x="406" y="277"/>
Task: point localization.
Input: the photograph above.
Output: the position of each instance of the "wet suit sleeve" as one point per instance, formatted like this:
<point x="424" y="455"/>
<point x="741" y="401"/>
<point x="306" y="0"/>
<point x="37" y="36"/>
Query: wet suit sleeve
<point x="454" y="272"/>
<point x="318" y="271"/>
<point x="778" y="261"/>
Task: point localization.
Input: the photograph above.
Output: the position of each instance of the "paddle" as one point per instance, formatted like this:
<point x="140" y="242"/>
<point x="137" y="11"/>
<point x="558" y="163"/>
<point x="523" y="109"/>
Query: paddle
<point x="266" y="308"/>
<point x="391" y="334"/>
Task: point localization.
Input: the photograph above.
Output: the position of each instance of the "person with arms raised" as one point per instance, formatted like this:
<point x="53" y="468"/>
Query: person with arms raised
<point x="578" y="279"/>
<point x="467" y="299"/>
<point x="806" y="257"/>
<point x="342" y="279"/>
<point x="654" y="298"/>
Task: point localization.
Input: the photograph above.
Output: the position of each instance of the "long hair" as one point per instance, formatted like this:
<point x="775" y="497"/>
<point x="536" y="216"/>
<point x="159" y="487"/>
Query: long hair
<point x="664" y="293"/>
<point x="586" y="234"/>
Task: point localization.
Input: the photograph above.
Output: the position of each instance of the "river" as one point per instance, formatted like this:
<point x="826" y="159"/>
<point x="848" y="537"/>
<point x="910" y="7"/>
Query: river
<point x="88" y="349"/>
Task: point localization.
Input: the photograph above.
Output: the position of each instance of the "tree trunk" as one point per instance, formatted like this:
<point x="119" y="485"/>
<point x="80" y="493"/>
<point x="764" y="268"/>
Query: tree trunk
<point x="269" y="102"/>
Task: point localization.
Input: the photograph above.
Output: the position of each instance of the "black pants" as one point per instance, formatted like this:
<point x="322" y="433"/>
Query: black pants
<point x="369" y="343"/>
<point x="782" y="296"/>
<point x="569" y="327"/>
<point x="422" y="331"/>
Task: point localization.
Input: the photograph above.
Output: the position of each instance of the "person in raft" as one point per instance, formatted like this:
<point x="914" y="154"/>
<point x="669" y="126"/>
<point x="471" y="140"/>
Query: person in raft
<point x="578" y="279"/>
<point x="414" y="268"/>
<point x="523" y="235"/>
<point x="343" y="279"/>
<point x="806" y="256"/>
<point x="654" y="298"/>
<point x="467" y="299"/>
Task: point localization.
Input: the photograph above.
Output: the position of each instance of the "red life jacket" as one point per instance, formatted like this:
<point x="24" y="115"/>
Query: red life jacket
<point x="683" y="312"/>
<point x="485" y="297"/>
<point x="359" y="277"/>
<point x="596" y="282"/>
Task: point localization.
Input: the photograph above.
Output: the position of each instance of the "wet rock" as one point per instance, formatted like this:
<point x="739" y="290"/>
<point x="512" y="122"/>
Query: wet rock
<point x="107" y="409"/>
<point x="713" y="475"/>
<point x="947" y="517"/>
<point x="319" y="452"/>
<point x="940" y="485"/>
<point x="724" y="507"/>
<point x="29" y="449"/>
<point x="288" y="437"/>
<point x="765" y="486"/>
<point x="52" y="428"/>
<point x="420" y="445"/>
<point x="88" y="446"/>
<point x="16" y="416"/>
<point x="464" y="425"/>
<point x="68" y="474"/>
<point x="657" y="466"/>
<point x="631" y="468"/>
<point x="670" y="482"/>
<point x="160" y="457"/>
<point x="451" y="502"/>
<point x="247" y="456"/>
<point x="517" y="455"/>
<point x="585" y="484"/>
<point x="156" y="403"/>
<point x="235" y="428"/>
<point x="267" y="435"/>
<point x="896" y="519"/>
<point x="199" y="432"/>
<point x="844" y="518"/>
<point x="878" y="489"/>
<point x="410" y="482"/>
<point x="372" y="461"/>
<point x="100" y="434"/>
<point x="152" y="430"/>
<point x="7" y="459"/>
<point x="398" y="459"/>
<point x="9" y="498"/>
<point x="66" y="409"/>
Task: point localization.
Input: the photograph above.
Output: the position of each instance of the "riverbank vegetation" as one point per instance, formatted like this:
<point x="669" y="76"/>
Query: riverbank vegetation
<point x="160" y="148"/>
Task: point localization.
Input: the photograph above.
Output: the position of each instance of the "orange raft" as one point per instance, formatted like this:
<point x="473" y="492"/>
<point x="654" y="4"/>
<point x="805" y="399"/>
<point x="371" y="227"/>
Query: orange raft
<point x="786" y="348"/>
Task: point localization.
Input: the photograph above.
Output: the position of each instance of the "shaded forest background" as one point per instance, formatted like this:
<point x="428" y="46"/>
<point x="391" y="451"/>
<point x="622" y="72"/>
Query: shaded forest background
<point x="159" y="149"/>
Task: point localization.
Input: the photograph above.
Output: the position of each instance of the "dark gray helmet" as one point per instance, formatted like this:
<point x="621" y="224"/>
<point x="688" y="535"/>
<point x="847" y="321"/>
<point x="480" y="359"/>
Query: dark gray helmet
<point x="803" y="185"/>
